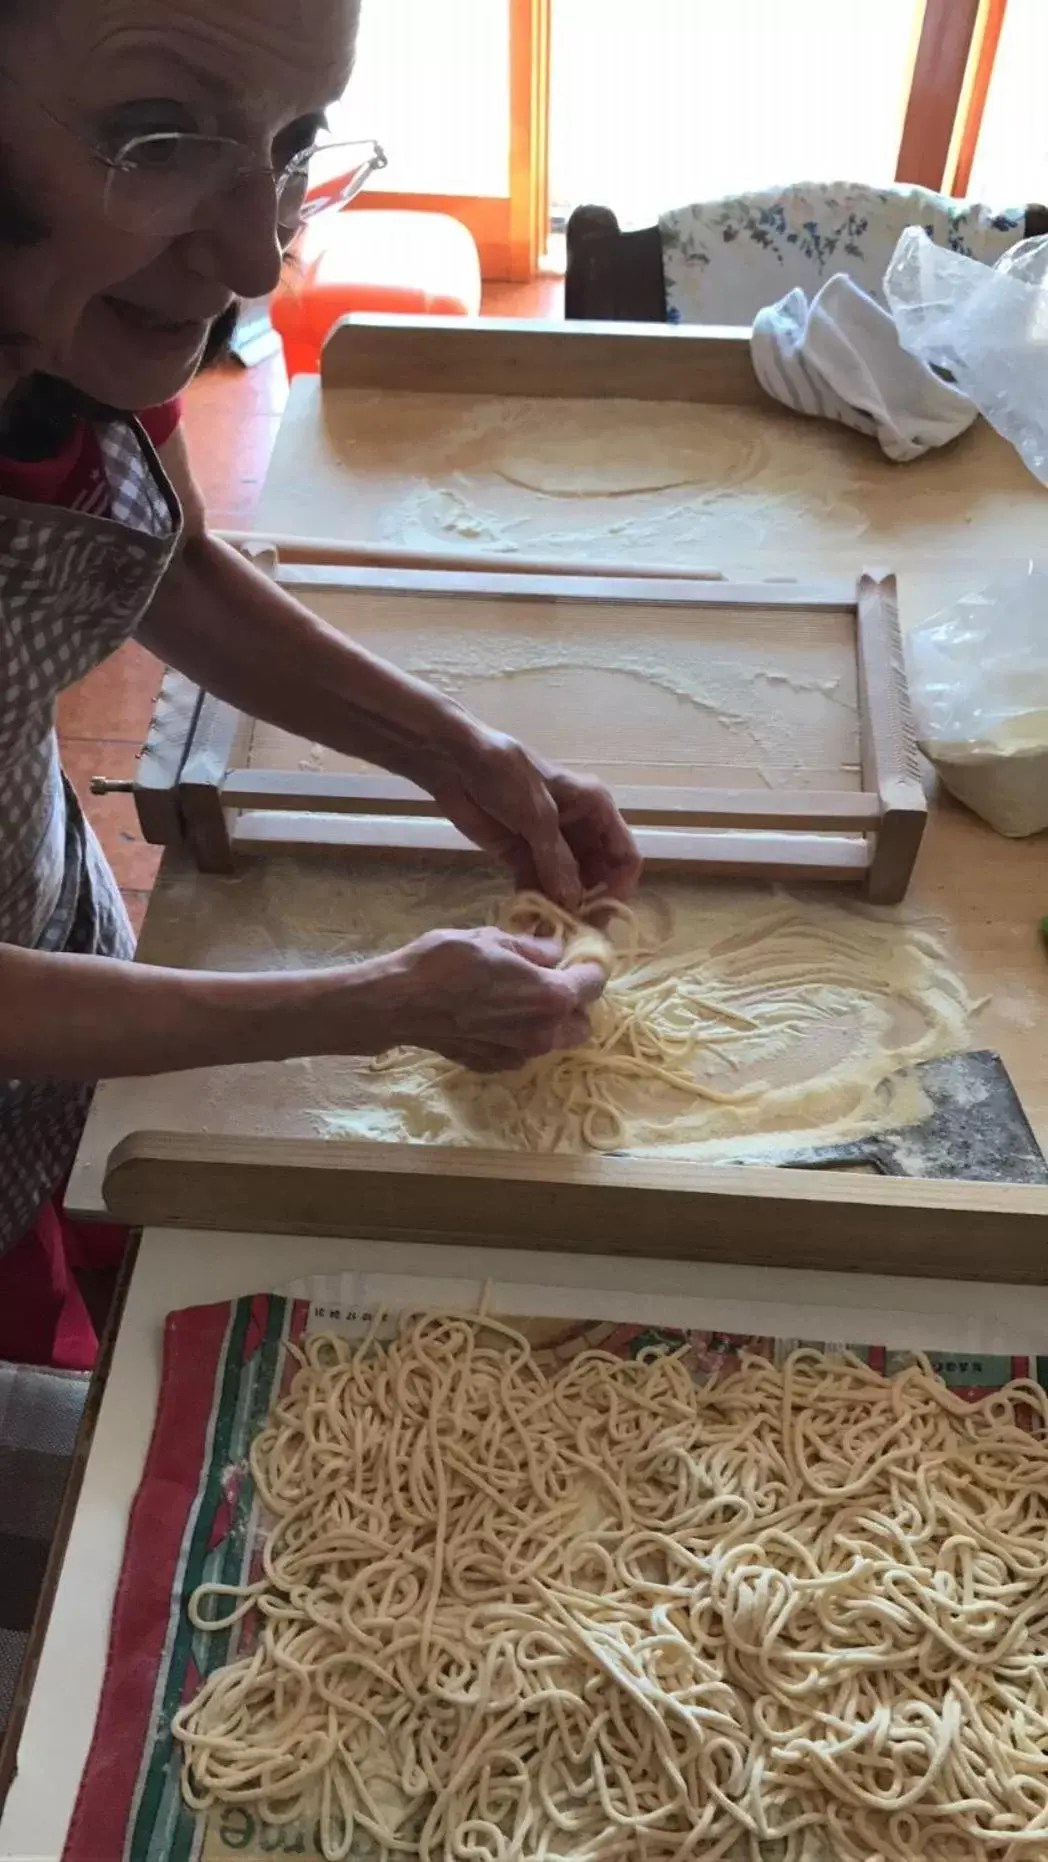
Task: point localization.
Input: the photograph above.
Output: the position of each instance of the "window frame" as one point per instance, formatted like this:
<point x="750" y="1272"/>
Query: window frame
<point x="510" y="230"/>
<point x="985" y="46"/>
<point x="949" y="84"/>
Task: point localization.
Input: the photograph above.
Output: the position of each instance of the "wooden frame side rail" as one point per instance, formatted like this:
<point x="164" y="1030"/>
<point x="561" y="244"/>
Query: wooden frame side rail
<point x="208" y="758"/>
<point x="794" y="859"/>
<point x="888" y="740"/>
<point x="668" y="1209"/>
<point x="162" y="758"/>
<point x="580" y="585"/>
<point x="314" y="791"/>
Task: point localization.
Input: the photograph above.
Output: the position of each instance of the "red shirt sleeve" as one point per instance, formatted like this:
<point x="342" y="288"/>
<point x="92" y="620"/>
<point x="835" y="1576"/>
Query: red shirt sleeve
<point x="75" y="476"/>
<point x="160" y="422"/>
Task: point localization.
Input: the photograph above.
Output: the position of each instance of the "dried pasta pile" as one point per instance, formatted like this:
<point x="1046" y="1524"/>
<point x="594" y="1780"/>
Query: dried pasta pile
<point x="598" y="1611"/>
<point x="682" y="1036"/>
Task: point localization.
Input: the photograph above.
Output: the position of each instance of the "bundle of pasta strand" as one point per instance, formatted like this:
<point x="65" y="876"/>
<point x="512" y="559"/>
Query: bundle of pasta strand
<point x="647" y="1026"/>
<point x="777" y="1017"/>
<point x="519" y="1612"/>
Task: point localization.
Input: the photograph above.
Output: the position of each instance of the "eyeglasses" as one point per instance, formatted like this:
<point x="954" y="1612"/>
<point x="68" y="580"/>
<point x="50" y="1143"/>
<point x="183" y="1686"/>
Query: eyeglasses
<point x="159" y="184"/>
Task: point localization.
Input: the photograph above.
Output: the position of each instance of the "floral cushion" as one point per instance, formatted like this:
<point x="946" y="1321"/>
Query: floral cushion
<point x="725" y="260"/>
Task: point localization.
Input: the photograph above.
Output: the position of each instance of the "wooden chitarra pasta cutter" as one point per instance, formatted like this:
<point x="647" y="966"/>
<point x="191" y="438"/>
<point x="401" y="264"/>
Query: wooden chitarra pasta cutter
<point x="976" y="1130"/>
<point x="688" y="764"/>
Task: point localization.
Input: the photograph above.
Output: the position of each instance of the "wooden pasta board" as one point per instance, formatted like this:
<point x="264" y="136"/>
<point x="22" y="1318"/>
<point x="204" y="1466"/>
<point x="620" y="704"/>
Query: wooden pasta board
<point x="415" y="440"/>
<point x="982" y="892"/>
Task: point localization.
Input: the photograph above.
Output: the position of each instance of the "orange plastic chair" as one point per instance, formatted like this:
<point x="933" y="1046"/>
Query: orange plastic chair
<point x="413" y="264"/>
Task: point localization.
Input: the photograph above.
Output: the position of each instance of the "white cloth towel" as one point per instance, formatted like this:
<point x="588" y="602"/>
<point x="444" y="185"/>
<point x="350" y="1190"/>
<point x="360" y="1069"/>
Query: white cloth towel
<point x="840" y="358"/>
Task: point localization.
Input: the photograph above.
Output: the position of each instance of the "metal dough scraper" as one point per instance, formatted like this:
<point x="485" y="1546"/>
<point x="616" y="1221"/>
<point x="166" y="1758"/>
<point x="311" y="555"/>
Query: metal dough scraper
<point x="976" y="1129"/>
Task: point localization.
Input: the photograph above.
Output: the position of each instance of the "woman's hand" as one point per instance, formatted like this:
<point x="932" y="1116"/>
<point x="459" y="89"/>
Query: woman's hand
<point x="486" y="999"/>
<point x="557" y="831"/>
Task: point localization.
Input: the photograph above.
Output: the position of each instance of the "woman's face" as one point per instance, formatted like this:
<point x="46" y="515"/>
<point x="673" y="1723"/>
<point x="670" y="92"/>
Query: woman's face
<point x="123" y="316"/>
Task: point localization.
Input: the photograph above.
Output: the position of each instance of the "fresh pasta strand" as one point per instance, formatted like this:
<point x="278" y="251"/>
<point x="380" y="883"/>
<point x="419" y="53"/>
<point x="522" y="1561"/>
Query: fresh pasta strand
<point x="669" y="1019"/>
<point x="594" y="1610"/>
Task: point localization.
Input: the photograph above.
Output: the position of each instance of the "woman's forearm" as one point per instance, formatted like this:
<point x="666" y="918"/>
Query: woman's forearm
<point x="487" y="999"/>
<point x="226" y="625"/>
<point x="90" y="1018"/>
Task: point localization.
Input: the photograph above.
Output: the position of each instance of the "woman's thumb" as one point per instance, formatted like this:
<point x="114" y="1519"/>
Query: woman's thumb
<point x="588" y="982"/>
<point x="545" y="951"/>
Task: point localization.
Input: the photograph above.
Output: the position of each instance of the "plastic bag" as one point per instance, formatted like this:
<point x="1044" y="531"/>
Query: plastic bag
<point x="987" y="326"/>
<point x="979" y="684"/>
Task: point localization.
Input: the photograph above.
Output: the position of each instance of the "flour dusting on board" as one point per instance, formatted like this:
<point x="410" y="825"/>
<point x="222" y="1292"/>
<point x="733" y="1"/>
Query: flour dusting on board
<point x="728" y="1022"/>
<point x="720" y="688"/>
<point x="521" y="475"/>
<point x="714" y="688"/>
<point x="857" y="994"/>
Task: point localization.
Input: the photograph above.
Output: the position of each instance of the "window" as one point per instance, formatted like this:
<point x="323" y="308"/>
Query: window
<point x="454" y="90"/>
<point x="654" y="103"/>
<point x="1011" y="151"/>
<point x="432" y="85"/>
<point x="496" y="110"/>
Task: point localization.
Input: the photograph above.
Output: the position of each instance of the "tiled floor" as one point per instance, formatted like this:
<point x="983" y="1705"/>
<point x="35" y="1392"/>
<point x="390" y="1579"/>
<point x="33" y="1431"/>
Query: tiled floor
<point x="231" y="420"/>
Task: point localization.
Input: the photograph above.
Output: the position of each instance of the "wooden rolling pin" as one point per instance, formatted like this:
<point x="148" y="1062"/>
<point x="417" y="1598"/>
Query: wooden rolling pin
<point x="339" y="554"/>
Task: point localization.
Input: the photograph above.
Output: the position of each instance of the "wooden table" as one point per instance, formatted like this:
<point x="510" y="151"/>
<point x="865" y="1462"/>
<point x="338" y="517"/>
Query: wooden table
<point x="395" y="401"/>
<point x="175" y="1270"/>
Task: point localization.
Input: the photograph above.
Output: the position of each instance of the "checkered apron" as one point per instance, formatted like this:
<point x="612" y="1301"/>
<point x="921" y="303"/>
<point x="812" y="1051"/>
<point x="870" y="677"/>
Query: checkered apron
<point x="72" y="587"/>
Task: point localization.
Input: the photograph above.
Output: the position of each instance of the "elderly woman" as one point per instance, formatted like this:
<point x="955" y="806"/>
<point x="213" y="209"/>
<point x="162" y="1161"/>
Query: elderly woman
<point x="154" y="157"/>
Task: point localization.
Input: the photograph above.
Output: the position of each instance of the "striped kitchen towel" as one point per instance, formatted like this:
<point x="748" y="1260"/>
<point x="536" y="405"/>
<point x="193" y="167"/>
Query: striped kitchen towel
<point x="839" y="358"/>
<point x="197" y="1519"/>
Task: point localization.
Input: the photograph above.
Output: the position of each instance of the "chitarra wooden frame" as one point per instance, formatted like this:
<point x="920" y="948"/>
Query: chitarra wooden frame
<point x="868" y="836"/>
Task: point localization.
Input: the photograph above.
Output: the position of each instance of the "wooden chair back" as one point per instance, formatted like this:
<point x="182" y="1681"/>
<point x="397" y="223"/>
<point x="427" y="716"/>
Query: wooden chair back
<point x="617" y="277"/>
